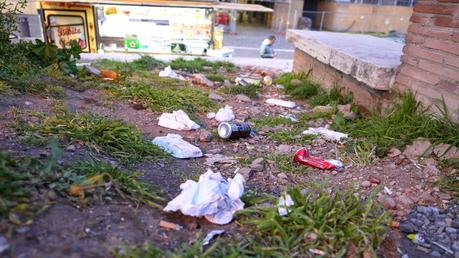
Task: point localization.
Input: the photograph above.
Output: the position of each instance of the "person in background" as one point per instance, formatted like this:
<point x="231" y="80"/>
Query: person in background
<point x="266" y="48"/>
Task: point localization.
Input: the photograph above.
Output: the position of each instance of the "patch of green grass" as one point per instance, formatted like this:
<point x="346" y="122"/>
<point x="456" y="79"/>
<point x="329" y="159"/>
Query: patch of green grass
<point x="19" y="180"/>
<point x="6" y="89"/>
<point x="83" y="178"/>
<point x="200" y="65"/>
<point x="405" y="121"/>
<point x="363" y="153"/>
<point x="291" y="136"/>
<point x="298" y="85"/>
<point x="450" y="181"/>
<point x="321" y="221"/>
<point x="144" y="63"/>
<point x="102" y="135"/>
<point x="286" y="164"/>
<point x="166" y="99"/>
<point x="304" y="117"/>
<point x="334" y="96"/>
<point x="216" y="77"/>
<point x="271" y="121"/>
<point x="248" y="90"/>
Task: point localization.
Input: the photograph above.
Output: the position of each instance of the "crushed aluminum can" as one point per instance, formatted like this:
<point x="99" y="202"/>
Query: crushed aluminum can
<point x="227" y="130"/>
<point x="211" y="235"/>
<point x="302" y="156"/>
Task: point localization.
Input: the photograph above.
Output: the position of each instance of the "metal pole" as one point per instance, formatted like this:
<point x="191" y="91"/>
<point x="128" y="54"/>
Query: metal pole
<point x="233" y="20"/>
<point x="322" y="20"/>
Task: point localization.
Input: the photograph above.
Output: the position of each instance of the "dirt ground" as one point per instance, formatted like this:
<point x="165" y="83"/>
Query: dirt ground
<point x="70" y="230"/>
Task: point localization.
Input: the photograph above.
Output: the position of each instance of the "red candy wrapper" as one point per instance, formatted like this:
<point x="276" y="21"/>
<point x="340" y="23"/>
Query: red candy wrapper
<point x="302" y="156"/>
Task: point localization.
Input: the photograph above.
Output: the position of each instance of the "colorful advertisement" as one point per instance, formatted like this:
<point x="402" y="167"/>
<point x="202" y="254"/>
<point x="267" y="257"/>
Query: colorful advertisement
<point x="155" y="29"/>
<point x="64" y="29"/>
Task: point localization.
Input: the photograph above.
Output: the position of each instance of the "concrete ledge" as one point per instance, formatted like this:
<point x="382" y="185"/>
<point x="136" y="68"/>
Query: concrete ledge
<point x="370" y="60"/>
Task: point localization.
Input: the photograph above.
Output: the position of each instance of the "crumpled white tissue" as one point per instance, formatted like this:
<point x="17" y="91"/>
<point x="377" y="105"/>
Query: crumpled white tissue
<point x="212" y="197"/>
<point x="177" y="120"/>
<point x="326" y="133"/>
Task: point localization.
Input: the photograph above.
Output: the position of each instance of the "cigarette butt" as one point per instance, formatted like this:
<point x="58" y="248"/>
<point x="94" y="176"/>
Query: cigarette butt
<point x="169" y="225"/>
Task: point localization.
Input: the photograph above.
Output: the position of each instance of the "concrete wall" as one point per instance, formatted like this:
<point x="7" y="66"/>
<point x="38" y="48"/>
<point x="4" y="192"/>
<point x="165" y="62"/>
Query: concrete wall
<point x="286" y="15"/>
<point x="29" y="24"/>
<point x="327" y="76"/>
<point x="430" y="64"/>
<point x="31" y="7"/>
<point x="363" y="17"/>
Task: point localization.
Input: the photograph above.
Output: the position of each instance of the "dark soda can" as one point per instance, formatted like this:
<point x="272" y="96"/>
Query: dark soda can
<point x="228" y="130"/>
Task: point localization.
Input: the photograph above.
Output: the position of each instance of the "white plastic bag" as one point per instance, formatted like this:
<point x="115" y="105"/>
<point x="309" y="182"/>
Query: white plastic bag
<point x="168" y="72"/>
<point x="212" y="196"/>
<point x="282" y="103"/>
<point x="225" y="114"/>
<point x="177" y="147"/>
<point x="177" y="120"/>
<point x="285" y="201"/>
<point x="326" y="133"/>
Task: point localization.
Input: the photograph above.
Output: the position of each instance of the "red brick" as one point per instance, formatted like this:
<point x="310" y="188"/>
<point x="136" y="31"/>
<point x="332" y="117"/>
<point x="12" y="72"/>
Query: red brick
<point x="456" y="37"/>
<point x="445" y="9"/>
<point x="446" y="46"/>
<point x="424" y="20"/>
<point x="410" y="60"/>
<point x="439" y="69"/>
<point x="445" y="21"/>
<point x="434" y="32"/>
<point x="452" y="60"/>
<point x="424" y="53"/>
<point x="415" y="39"/>
<point x="403" y="79"/>
<point x="448" y="1"/>
<point x="419" y="74"/>
<point x="448" y="86"/>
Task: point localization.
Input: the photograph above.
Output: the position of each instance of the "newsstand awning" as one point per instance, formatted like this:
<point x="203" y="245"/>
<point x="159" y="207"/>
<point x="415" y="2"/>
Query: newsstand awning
<point x="243" y="7"/>
<point x="208" y="4"/>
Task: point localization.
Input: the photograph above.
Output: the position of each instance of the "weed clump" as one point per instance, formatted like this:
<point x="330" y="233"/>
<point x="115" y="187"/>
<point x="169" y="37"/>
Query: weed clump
<point x="406" y="121"/>
<point x="323" y="222"/>
<point x="200" y="65"/>
<point x="166" y="98"/>
<point x="298" y="85"/>
<point x="271" y="121"/>
<point x="111" y="137"/>
<point x="85" y="177"/>
<point x="248" y="90"/>
<point x="216" y="77"/>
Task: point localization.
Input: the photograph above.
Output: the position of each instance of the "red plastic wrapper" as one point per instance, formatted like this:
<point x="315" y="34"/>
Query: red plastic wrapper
<point x="302" y="156"/>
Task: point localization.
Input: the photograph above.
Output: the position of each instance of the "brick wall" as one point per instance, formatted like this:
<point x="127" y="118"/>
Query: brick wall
<point x="430" y="64"/>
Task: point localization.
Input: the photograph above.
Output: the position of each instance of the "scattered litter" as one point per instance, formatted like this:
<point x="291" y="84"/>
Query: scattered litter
<point x="279" y="86"/>
<point x="92" y="70"/>
<point x="177" y="120"/>
<point x="211" y="115"/>
<point x="267" y="80"/>
<point x="177" y="147"/>
<point x="212" y="196"/>
<point x="285" y="201"/>
<point x="291" y="117"/>
<point x="218" y="158"/>
<point x="282" y="103"/>
<point x="168" y="72"/>
<point x="107" y="74"/>
<point x="446" y="249"/>
<point x="326" y="133"/>
<point x="211" y="235"/>
<point x="225" y="114"/>
<point x="316" y="251"/>
<point x="234" y="130"/>
<point x="169" y="225"/>
<point x="201" y="79"/>
<point x="387" y="190"/>
<point x="302" y="156"/>
<point x="246" y="81"/>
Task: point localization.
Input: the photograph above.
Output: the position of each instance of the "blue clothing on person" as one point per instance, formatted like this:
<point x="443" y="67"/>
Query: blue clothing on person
<point x="266" y="49"/>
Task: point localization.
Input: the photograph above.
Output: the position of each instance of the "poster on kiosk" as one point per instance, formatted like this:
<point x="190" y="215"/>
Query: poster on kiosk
<point x="177" y="30"/>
